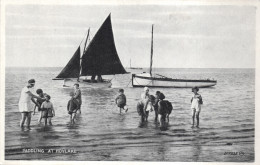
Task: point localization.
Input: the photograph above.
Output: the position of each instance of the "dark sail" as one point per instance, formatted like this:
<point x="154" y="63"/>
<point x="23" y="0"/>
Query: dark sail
<point x="72" y="69"/>
<point x="101" y="57"/>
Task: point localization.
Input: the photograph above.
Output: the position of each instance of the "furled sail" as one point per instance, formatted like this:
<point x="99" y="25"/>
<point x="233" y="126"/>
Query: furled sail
<point x="72" y="69"/>
<point x="101" y="57"/>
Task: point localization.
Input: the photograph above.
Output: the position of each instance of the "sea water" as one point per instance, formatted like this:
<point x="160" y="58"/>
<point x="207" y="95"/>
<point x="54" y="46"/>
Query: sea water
<point x="226" y="133"/>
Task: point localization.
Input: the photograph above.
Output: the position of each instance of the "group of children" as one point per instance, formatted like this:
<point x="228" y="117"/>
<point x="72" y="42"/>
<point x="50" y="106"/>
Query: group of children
<point x="45" y="107"/>
<point x="161" y="107"/>
<point x="146" y="104"/>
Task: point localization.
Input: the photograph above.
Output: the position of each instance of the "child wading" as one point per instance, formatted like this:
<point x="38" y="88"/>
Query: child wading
<point x="144" y="106"/>
<point x="156" y="104"/>
<point x="149" y="106"/>
<point x="48" y="110"/>
<point x="196" y="102"/>
<point x="39" y="102"/>
<point x="121" y="101"/>
<point x="162" y="110"/>
<point x="77" y="96"/>
<point x="72" y="107"/>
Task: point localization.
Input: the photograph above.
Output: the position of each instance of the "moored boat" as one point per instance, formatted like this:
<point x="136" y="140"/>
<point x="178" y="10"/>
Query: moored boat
<point x="144" y="79"/>
<point x="156" y="80"/>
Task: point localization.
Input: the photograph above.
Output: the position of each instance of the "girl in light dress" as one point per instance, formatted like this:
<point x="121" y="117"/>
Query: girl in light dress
<point x="196" y="102"/>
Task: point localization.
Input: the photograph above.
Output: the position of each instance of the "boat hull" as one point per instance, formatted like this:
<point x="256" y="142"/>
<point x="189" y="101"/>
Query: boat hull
<point x="69" y="83"/>
<point x="142" y="81"/>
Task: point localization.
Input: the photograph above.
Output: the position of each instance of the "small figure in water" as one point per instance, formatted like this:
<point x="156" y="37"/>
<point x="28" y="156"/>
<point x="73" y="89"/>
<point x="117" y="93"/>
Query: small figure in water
<point x="156" y="104"/>
<point x="163" y="110"/>
<point x="149" y="106"/>
<point x="143" y="107"/>
<point x="39" y="102"/>
<point x="121" y="101"/>
<point x="72" y="107"/>
<point x="48" y="110"/>
<point x="196" y="102"/>
<point x="77" y="96"/>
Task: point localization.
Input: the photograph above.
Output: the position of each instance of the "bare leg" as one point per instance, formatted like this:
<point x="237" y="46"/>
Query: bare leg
<point x="198" y="118"/>
<point x="147" y="114"/>
<point x="45" y="121"/>
<point x="193" y="117"/>
<point x="73" y="117"/>
<point x="167" y="117"/>
<point x="49" y="120"/>
<point x="40" y="118"/>
<point x="70" y="118"/>
<point x="125" y="108"/>
<point x="160" y="119"/>
<point x="156" y="115"/>
<point x="22" y="120"/>
<point x="29" y="119"/>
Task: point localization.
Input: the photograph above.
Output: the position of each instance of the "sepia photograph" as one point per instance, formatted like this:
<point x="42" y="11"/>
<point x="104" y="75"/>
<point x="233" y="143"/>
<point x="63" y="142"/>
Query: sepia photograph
<point x="128" y="81"/>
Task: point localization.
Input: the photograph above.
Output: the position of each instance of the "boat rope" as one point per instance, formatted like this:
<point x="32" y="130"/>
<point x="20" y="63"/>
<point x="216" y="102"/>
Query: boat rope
<point x="129" y="82"/>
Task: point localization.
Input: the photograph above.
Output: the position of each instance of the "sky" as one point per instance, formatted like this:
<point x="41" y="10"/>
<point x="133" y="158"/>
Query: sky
<point x="184" y="36"/>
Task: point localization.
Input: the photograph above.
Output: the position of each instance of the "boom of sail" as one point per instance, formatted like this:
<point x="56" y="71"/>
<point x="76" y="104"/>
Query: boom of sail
<point x="99" y="58"/>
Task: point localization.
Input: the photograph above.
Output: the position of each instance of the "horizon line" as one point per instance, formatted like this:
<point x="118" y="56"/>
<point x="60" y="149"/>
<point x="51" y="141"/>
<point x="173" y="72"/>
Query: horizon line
<point x="136" y="67"/>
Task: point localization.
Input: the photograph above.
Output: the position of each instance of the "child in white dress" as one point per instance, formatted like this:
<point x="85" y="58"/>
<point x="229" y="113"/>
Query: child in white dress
<point x="196" y="102"/>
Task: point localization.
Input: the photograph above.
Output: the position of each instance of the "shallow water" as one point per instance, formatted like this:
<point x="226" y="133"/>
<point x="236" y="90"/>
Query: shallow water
<point x="101" y="133"/>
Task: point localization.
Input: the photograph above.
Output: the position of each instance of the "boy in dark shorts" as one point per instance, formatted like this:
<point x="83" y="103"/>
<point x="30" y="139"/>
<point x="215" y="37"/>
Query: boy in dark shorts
<point x="121" y="101"/>
<point x="39" y="102"/>
<point x="72" y="107"/>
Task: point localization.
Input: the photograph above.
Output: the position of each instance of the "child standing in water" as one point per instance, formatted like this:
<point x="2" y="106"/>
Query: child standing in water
<point x="39" y="102"/>
<point x="149" y="106"/>
<point x="48" y="110"/>
<point x="156" y="101"/>
<point x="72" y="107"/>
<point x="121" y="101"/>
<point x="196" y="102"/>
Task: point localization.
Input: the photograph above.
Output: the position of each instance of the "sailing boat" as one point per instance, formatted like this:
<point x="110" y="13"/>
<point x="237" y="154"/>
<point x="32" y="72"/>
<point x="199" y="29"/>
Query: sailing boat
<point x="99" y="58"/>
<point x="147" y="79"/>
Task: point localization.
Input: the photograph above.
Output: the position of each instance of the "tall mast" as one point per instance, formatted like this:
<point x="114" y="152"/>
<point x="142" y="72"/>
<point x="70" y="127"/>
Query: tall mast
<point x="151" y="60"/>
<point x="86" y="41"/>
<point x="130" y="63"/>
<point x="84" y="50"/>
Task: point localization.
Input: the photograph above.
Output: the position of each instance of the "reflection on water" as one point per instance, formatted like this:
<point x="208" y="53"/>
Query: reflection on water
<point x="101" y="133"/>
<point x="196" y="146"/>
